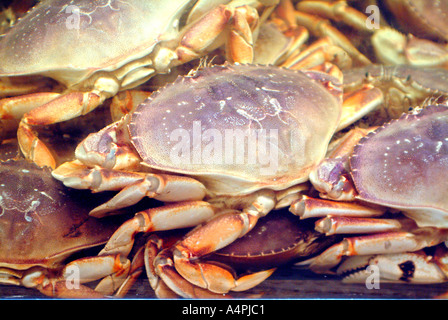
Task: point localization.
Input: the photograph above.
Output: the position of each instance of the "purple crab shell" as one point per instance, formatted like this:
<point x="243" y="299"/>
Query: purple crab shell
<point x="239" y="128"/>
<point x="404" y="165"/>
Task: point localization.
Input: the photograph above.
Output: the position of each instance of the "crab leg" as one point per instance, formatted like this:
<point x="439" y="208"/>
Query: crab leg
<point x="61" y="108"/>
<point x="164" y="279"/>
<point x="111" y="283"/>
<point x="17" y="107"/>
<point x="160" y="187"/>
<point x="24" y="85"/>
<point x="133" y="186"/>
<point x="414" y="267"/>
<point x="345" y="225"/>
<point x="174" y="216"/>
<point x="219" y="280"/>
<point x="359" y="103"/>
<point x="201" y="35"/>
<point x="307" y="207"/>
<point x="216" y="234"/>
<point x="382" y="243"/>
<point x="68" y="284"/>
<point x="125" y="101"/>
<point x="321" y="27"/>
<point x="319" y="52"/>
<point x="152" y="247"/>
<point x="33" y="148"/>
<point x="331" y="177"/>
<point x="338" y="11"/>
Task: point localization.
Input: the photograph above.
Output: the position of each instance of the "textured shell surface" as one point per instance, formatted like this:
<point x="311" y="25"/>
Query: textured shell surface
<point x="260" y="125"/>
<point x="68" y="40"/>
<point x="41" y="221"/>
<point x="405" y="163"/>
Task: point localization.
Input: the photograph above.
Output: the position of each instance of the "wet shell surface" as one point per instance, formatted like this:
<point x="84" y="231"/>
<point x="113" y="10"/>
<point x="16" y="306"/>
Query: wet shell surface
<point x="404" y="165"/>
<point x="277" y="239"/>
<point x="41" y="221"/>
<point x="258" y="126"/>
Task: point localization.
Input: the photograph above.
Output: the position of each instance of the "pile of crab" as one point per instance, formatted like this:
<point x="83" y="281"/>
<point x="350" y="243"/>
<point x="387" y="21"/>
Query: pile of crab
<point x="310" y="136"/>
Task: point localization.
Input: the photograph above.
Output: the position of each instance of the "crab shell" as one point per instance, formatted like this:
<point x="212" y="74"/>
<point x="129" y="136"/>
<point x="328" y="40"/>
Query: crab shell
<point x="277" y="239"/>
<point x="41" y="221"/>
<point x="71" y="41"/>
<point x="421" y="17"/>
<point x="239" y="128"/>
<point x="404" y="165"/>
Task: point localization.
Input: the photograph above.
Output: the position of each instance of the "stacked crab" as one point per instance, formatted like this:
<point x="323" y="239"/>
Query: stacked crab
<point x="297" y="118"/>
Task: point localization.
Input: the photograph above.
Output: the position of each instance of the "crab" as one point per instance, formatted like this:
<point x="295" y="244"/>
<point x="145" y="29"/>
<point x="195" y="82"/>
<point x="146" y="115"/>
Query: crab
<point x="398" y="167"/>
<point x="426" y="28"/>
<point x="424" y="19"/>
<point x="260" y="249"/>
<point x="43" y="224"/>
<point x="231" y="195"/>
<point x="403" y="87"/>
<point x="424" y="40"/>
<point x="138" y="39"/>
<point x="313" y="16"/>
<point x="425" y="45"/>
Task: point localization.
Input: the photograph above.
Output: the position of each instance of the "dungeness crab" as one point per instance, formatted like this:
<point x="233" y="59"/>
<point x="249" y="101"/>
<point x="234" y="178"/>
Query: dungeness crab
<point x="94" y="49"/>
<point x="42" y="224"/>
<point x="401" y="165"/>
<point x="179" y="146"/>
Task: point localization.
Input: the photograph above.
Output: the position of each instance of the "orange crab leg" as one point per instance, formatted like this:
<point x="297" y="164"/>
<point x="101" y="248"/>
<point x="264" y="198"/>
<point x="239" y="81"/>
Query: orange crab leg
<point x="174" y="216"/>
<point x="345" y="225"/>
<point x="62" y="108"/>
<point x="125" y="101"/>
<point x="307" y="207"/>
<point x="23" y="85"/>
<point x="214" y="235"/>
<point x="359" y="103"/>
<point x="132" y="186"/>
<point x="33" y="148"/>
<point x="135" y="270"/>
<point x="382" y="243"/>
<point x="209" y="238"/>
<point x="152" y="248"/>
<point x="48" y="108"/>
<point x="69" y="283"/>
<point x="17" y="107"/>
<point x="321" y="27"/>
<point x="241" y="21"/>
<point x="171" y="284"/>
<point x="320" y="51"/>
<point x="338" y="11"/>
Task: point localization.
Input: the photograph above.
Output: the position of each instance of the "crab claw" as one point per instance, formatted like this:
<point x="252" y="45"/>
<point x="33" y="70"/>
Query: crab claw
<point x="216" y="279"/>
<point x="415" y="267"/>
